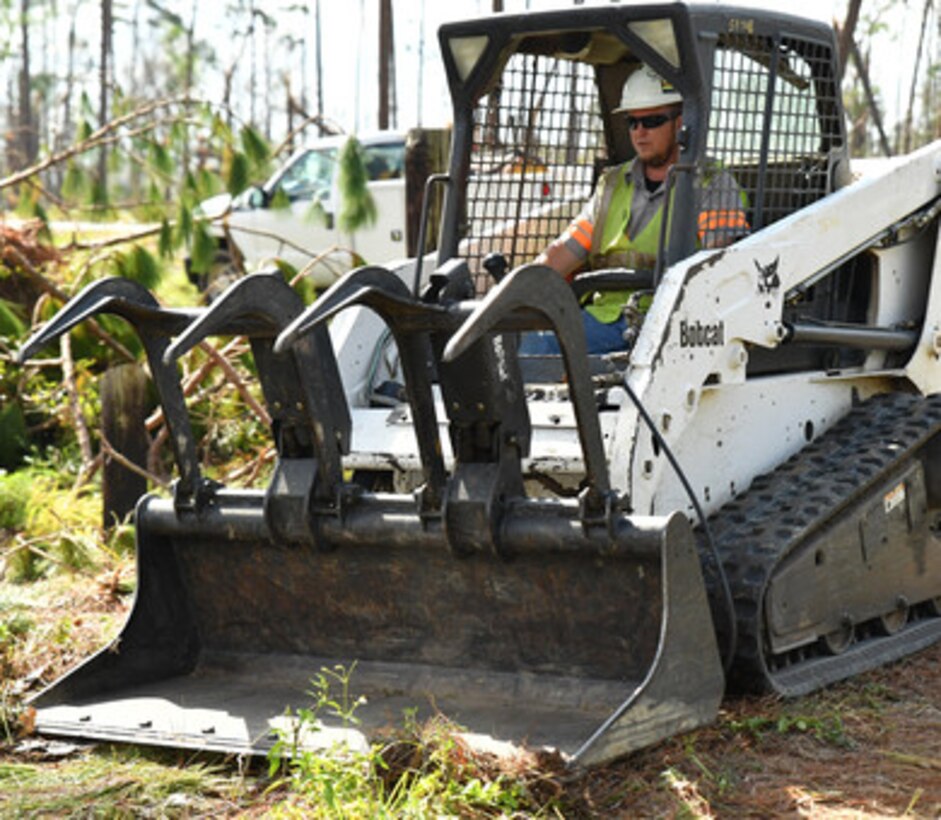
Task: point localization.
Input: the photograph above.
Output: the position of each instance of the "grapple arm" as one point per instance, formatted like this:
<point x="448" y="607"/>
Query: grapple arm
<point x="154" y="326"/>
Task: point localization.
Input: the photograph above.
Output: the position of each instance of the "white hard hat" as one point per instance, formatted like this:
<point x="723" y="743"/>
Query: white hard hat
<point x="647" y="89"/>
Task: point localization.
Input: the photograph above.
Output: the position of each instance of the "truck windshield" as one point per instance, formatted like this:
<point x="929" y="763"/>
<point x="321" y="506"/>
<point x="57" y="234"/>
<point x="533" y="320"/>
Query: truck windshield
<point x="310" y="175"/>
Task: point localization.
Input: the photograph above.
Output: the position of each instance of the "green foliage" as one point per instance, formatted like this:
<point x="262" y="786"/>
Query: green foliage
<point x="280" y="200"/>
<point x="357" y="207"/>
<point x="57" y="527"/>
<point x="165" y="245"/>
<point x="346" y="779"/>
<point x="160" y="159"/>
<point x="138" y="264"/>
<point x="184" y="224"/>
<point x="826" y="728"/>
<point x="254" y="146"/>
<point x="100" y="199"/>
<point x="13" y="434"/>
<point x="238" y="176"/>
<point x="84" y="130"/>
<point x="14" y="495"/>
<point x="111" y="782"/>
<point x="11" y="324"/>
<point x="75" y="184"/>
<point x="203" y="249"/>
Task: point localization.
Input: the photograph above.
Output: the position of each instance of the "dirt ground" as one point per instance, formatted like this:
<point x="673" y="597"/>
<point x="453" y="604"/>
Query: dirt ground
<point x="866" y="748"/>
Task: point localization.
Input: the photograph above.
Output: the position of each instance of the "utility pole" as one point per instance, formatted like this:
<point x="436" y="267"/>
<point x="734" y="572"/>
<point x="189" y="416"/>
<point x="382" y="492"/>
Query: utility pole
<point x="386" y="65"/>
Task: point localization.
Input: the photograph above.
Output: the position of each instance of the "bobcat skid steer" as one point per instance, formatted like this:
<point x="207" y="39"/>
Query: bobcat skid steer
<point x="575" y="552"/>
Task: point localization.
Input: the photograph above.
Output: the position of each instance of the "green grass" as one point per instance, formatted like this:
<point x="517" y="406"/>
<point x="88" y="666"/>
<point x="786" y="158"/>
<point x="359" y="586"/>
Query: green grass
<point x="118" y="782"/>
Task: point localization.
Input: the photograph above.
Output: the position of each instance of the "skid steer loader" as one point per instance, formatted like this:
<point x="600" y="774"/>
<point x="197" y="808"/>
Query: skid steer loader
<point x="575" y="552"/>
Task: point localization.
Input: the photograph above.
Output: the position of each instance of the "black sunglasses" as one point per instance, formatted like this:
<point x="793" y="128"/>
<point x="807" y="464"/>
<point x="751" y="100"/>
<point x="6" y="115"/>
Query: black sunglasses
<point x="650" y="122"/>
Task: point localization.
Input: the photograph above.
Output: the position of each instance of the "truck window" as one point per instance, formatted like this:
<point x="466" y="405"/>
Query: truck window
<point x="310" y="175"/>
<point x="385" y="161"/>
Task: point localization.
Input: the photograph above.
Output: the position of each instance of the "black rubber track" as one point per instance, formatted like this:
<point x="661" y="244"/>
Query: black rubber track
<point x="782" y="509"/>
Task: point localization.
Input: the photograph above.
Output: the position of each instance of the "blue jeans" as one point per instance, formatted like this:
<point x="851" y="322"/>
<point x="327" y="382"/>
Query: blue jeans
<point x="601" y="338"/>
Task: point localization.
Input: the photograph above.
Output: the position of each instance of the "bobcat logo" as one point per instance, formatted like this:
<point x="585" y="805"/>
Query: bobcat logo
<point x="768" y="279"/>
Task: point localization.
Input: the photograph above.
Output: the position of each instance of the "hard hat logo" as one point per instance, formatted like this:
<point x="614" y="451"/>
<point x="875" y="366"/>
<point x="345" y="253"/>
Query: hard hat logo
<point x="647" y="89"/>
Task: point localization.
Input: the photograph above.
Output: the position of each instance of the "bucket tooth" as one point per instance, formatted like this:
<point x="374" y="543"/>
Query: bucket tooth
<point x="376" y="287"/>
<point x="154" y="326"/>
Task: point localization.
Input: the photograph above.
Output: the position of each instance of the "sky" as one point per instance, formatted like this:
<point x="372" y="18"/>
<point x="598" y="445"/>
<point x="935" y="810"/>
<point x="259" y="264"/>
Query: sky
<point x="423" y="98"/>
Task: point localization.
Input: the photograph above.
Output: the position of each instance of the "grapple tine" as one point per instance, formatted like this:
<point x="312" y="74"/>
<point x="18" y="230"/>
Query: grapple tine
<point x="122" y="297"/>
<point x="264" y="296"/>
<point x="154" y="326"/>
<point x="557" y="303"/>
<point x="348" y="291"/>
<point x="302" y="388"/>
<point x="390" y="298"/>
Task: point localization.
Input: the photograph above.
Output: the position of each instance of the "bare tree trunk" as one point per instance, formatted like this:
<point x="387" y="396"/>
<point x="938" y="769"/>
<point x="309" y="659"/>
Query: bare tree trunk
<point x="848" y="33"/>
<point x="863" y="73"/>
<point x="911" y="95"/>
<point x="26" y="139"/>
<point x="266" y="50"/>
<point x="45" y="120"/>
<point x="252" y="79"/>
<point x="133" y="85"/>
<point x="188" y="74"/>
<point x="67" y="129"/>
<point x="421" y="60"/>
<point x="291" y="107"/>
<point x="319" y="60"/>
<point x="104" y="79"/>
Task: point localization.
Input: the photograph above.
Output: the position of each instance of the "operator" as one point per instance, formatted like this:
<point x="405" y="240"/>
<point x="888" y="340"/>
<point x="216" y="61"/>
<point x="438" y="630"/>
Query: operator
<point x="620" y="226"/>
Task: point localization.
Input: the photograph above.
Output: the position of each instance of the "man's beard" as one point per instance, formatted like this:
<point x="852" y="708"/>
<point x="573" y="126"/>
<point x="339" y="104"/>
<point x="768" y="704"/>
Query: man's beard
<point x="659" y="160"/>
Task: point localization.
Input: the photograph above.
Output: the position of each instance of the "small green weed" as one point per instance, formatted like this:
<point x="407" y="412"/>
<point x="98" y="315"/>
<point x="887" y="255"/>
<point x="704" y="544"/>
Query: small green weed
<point x="827" y="728"/>
<point x="425" y="770"/>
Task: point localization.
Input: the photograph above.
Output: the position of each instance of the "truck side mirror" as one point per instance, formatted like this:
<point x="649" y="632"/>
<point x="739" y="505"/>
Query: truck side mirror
<point x="256" y="197"/>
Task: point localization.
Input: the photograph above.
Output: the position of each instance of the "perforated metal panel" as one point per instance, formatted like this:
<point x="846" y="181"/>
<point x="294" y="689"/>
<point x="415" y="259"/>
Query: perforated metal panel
<point x="537" y="141"/>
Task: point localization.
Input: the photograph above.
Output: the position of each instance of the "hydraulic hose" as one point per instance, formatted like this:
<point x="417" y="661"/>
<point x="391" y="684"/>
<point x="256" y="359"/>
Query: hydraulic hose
<point x="723" y="578"/>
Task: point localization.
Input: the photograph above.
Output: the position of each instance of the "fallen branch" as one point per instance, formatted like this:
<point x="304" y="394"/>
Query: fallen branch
<point x="111" y="453"/>
<point x="104" y="135"/>
<point x="236" y="381"/>
<point x="115" y="240"/>
<point x="251" y="470"/>
<point x="193" y="380"/>
<point x="75" y="408"/>
<point x="912" y="760"/>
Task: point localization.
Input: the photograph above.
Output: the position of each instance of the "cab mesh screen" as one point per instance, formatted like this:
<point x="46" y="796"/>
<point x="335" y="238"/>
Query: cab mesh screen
<point x="752" y="76"/>
<point x="537" y="141"/>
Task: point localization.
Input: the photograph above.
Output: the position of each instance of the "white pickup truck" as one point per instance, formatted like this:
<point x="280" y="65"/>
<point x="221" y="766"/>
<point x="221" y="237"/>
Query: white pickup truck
<point x="292" y="216"/>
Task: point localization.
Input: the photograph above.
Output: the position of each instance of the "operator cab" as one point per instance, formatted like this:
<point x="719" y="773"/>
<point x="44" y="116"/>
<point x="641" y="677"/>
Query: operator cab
<point x="534" y="126"/>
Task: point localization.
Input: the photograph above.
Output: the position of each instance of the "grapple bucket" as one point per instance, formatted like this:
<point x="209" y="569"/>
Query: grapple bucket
<point x="546" y="622"/>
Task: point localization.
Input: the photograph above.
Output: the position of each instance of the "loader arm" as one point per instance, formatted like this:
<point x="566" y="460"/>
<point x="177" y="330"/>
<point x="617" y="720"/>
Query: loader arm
<point x="690" y="366"/>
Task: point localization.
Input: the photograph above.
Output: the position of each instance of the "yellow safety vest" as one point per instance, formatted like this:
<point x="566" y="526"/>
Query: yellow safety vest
<point x="611" y="245"/>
